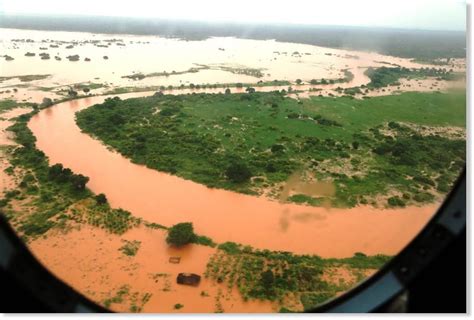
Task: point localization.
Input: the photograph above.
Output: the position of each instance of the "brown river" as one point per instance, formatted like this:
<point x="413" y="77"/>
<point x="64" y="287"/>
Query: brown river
<point x="222" y="215"/>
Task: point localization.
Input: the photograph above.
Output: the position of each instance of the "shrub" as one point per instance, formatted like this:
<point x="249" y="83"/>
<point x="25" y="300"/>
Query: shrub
<point x="238" y="173"/>
<point x="395" y="202"/>
<point x="423" y="197"/>
<point x="277" y="148"/>
<point x="204" y="241"/>
<point x="130" y="248"/>
<point x="229" y="247"/>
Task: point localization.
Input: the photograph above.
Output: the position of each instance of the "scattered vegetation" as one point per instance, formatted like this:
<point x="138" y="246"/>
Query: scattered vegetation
<point x="254" y="72"/>
<point x="130" y="248"/>
<point x="125" y="296"/>
<point x="274" y="275"/>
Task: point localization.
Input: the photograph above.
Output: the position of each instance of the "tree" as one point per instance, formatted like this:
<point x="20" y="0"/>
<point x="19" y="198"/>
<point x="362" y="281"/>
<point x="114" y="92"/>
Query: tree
<point x="79" y="181"/>
<point x="181" y="234"/>
<point x="46" y="102"/>
<point x="72" y="93"/>
<point x="395" y="202"/>
<point x="227" y="91"/>
<point x="355" y="145"/>
<point x="86" y="90"/>
<point x="250" y="90"/>
<point x="267" y="280"/>
<point x="101" y="199"/>
<point x="58" y="173"/>
<point x="55" y="170"/>
<point x="238" y="172"/>
<point x="298" y="81"/>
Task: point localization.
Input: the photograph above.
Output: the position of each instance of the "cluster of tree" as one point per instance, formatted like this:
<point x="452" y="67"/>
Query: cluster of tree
<point x="385" y="76"/>
<point x="62" y="175"/>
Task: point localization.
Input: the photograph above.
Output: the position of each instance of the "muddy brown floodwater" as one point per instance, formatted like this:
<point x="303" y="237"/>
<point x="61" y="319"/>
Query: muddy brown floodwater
<point x="222" y="215"/>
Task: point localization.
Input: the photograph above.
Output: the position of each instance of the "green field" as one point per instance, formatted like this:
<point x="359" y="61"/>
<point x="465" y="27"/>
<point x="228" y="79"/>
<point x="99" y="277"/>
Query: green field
<point x="248" y="142"/>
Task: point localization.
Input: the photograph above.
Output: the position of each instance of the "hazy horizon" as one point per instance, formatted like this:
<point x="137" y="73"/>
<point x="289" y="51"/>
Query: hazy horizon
<point x="437" y="15"/>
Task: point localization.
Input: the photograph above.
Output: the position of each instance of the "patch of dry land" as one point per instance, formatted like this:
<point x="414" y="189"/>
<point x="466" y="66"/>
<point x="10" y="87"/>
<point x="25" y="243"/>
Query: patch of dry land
<point x="272" y="243"/>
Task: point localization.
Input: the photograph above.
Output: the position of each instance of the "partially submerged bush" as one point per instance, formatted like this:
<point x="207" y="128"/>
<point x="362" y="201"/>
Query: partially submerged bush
<point x="181" y="234"/>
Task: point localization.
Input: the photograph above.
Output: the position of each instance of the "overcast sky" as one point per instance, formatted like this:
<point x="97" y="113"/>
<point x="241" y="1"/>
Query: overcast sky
<point x="413" y="14"/>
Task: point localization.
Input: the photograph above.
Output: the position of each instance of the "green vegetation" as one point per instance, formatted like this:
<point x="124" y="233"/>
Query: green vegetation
<point x="238" y="85"/>
<point x="248" y="142"/>
<point x="124" y="295"/>
<point x="348" y="76"/>
<point x="204" y="241"/>
<point x="384" y="76"/>
<point x="130" y="248"/>
<point x="118" y="297"/>
<point x="178" y="306"/>
<point x="274" y="275"/>
<point x="53" y="196"/>
<point x="100" y="199"/>
<point x="8" y="105"/>
<point x="183" y="233"/>
<point x="180" y="234"/>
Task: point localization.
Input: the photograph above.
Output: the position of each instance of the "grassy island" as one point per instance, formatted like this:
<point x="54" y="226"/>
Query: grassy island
<point x="389" y="151"/>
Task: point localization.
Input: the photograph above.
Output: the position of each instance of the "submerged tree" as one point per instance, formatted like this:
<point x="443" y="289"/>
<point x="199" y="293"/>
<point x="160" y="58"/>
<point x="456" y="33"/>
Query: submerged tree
<point x="181" y="234"/>
<point x="46" y="102"/>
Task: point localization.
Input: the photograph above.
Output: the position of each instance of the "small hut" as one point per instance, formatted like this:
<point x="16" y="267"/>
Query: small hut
<point x="189" y="279"/>
<point x="174" y="259"/>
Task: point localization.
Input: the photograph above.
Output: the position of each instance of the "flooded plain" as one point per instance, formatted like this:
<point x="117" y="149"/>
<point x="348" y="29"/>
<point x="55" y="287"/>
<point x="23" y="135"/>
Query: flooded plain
<point x="228" y="60"/>
<point x="88" y="258"/>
